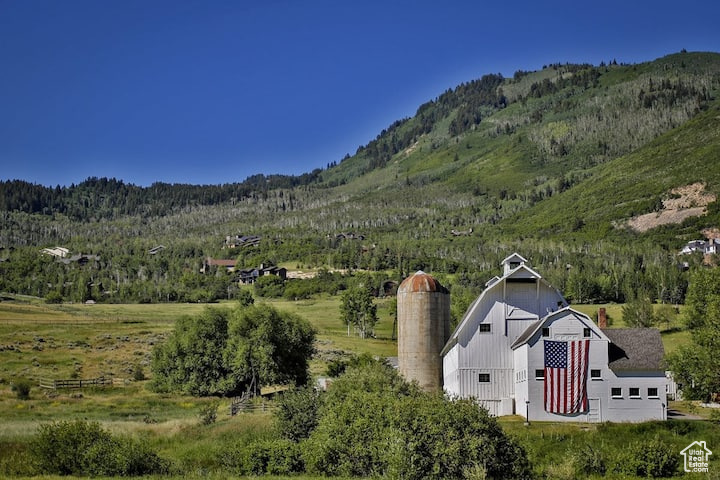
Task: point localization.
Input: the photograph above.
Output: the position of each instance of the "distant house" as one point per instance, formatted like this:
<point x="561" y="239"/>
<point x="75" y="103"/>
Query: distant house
<point x="242" y="241"/>
<point x="228" y="265"/>
<point x="250" y="275"/>
<point x="520" y="349"/>
<point x="348" y="236"/>
<point x="701" y="246"/>
<point x="58" y="252"/>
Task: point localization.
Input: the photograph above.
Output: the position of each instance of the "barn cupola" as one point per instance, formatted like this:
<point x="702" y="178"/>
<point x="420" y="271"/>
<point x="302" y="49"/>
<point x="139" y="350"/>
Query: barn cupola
<point x="512" y="262"/>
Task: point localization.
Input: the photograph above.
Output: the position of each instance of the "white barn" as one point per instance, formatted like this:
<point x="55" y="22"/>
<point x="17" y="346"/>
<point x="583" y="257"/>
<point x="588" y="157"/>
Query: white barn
<point x="503" y="350"/>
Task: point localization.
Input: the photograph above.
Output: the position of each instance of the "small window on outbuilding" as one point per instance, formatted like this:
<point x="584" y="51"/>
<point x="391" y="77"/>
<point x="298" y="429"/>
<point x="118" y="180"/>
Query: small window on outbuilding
<point x="484" y="378"/>
<point x="653" y="393"/>
<point x="546" y="331"/>
<point x="539" y="374"/>
<point x="484" y="328"/>
<point x="616" y="392"/>
<point x="586" y="332"/>
<point x="634" y="392"/>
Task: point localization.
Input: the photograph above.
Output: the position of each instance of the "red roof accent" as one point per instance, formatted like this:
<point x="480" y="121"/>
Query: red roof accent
<point x="221" y="263"/>
<point x="421" y="282"/>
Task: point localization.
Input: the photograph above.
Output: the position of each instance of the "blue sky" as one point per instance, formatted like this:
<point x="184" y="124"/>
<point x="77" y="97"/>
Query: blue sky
<point x="209" y="92"/>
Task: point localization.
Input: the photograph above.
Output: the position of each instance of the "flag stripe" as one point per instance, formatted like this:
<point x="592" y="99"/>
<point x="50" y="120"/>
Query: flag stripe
<point x="565" y="384"/>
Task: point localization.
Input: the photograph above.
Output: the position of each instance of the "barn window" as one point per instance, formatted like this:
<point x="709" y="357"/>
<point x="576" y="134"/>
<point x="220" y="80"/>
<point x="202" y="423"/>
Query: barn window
<point x="484" y="328"/>
<point x="653" y="393"/>
<point x="484" y="378"/>
<point x="616" y="392"/>
<point x="546" y="331"/>
<point x="634" y="392"/>
<point x="539" y="374"/>
<point x="596" y="374"/>
<point x="586" y="332"/>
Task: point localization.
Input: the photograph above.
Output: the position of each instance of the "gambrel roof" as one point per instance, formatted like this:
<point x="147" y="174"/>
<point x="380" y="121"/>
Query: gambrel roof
<point x="520" y="273"/>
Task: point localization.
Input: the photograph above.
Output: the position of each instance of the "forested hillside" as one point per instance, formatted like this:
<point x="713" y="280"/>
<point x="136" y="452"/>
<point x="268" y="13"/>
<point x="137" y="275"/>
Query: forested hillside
<point x="550" y="163"/>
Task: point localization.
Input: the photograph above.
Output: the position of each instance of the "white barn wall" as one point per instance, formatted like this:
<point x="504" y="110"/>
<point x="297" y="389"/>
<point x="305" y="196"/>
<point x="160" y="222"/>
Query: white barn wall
<point x="603" y="408"/>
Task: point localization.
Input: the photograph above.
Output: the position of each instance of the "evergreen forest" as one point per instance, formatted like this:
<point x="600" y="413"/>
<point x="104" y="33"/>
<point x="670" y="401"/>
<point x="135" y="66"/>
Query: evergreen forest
<point x="555" y="164"/>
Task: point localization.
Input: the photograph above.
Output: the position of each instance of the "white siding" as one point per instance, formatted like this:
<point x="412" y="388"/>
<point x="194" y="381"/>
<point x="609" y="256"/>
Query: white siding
<point x="451" y="373"/>
<point x="603" y="408"/>
<point x="509" y="308"/>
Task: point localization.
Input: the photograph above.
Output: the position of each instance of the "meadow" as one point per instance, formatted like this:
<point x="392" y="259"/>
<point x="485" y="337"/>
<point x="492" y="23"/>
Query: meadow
<point x="86" y="341"/>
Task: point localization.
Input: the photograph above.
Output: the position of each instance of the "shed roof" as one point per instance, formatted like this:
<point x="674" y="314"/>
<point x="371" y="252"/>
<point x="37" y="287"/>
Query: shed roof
<point x="635" y="349"/>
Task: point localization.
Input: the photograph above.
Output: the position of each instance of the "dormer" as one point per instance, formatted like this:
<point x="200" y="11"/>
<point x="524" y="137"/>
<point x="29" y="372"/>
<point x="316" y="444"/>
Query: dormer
<point x="512" y="262"/>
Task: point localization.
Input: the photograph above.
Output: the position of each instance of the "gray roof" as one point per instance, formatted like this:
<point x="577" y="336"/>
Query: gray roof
<point x="635" y="349"/>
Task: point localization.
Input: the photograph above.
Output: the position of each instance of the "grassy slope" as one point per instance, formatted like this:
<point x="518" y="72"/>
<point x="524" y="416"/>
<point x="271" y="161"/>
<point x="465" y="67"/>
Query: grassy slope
<point x="628" y="186"/>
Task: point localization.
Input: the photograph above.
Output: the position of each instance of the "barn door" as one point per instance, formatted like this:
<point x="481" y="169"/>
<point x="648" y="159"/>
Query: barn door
<point x="594" y="413"/>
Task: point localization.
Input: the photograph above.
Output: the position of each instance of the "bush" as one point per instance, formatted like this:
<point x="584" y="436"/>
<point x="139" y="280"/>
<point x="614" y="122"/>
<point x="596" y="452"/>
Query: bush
<point x="123" y="457"/>
<point x="208" y="413"/>
<point x="138" y="374"/>
<point x="84" y="448"/>
<point x="272" y="457"/>
<point x="373" y="423"/>
<point x="21" y="387"/>
<point x="297" y="413"/>
<point x="652" y="458"/>
<point x="54" y="297"/>
<point x="590" y="461"/>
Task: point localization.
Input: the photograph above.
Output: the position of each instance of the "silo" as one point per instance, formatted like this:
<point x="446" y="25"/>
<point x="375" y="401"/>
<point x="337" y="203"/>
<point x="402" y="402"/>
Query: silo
<point x="423" y="310"/>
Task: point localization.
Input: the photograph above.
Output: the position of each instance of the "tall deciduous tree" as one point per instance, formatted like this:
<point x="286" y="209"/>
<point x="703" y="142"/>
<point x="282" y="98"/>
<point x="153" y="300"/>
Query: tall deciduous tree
<point x="697" y="365"/>
<point x="226" y="352"/>
<point x="359" y="310"/>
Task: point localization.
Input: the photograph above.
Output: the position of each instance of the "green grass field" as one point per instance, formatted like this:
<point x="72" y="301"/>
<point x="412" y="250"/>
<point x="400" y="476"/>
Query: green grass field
<point x="61" y="341"/>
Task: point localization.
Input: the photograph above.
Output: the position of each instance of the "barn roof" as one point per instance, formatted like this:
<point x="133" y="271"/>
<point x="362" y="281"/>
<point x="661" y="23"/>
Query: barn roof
<point x="635" y="349"/>
<point x="523" y="271"/>
<point x="536" y="326"/>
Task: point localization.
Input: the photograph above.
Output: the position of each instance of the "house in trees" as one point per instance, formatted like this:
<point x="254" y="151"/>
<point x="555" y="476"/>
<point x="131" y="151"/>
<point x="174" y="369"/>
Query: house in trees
<point x="228" y="265"/>
<point x="520" y="349"/>
<point x="242" y="241"/>
<point x="250" y="275"/>
<point x="57" y="252"/>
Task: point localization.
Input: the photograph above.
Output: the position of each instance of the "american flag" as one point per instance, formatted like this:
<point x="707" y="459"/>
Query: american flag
<point x="566" y="365"/>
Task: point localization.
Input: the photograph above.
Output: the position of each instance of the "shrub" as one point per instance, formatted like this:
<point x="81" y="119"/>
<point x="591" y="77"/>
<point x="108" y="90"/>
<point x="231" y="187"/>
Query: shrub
<point x="373" y="423"/>
<point x="59" y="447"/>
<point x="122" y="456"/>
<point x="84" y="448"/>
<point x="138" y="374"/>
<point x="273" y="457"/>
<point x="54" y="297"/>
<point x="653" y="458"/>
<point x="297" y="413"/>
<point x="21" y="387"/>
<point x="208" y="413"/>
<point x="589" y="460"/>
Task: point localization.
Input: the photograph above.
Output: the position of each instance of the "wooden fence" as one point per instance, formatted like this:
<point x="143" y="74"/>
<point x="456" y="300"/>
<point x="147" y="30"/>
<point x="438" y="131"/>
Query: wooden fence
<point x="247" y="404"/>
<point x="80" y="383"/>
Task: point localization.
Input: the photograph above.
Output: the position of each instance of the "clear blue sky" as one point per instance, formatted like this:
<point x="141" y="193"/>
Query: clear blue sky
<point x="209" y="92"/>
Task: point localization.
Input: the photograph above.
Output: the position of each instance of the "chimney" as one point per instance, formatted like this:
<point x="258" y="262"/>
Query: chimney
<point x="602" y="318"/>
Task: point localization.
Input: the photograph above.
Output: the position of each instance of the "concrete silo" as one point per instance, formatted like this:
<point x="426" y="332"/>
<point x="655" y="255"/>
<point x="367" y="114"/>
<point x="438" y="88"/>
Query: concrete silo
<point x="423" y="310"/>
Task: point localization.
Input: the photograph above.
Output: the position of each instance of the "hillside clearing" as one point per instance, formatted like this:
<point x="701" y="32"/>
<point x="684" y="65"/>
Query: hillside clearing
<point x="682" y="203"/>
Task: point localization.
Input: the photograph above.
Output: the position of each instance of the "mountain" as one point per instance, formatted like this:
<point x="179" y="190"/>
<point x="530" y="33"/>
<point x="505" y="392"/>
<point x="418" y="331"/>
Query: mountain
<point x="553" y="163"/>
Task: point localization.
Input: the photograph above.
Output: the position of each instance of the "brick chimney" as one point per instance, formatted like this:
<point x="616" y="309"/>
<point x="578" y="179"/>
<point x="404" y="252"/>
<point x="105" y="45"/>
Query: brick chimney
<point x="602" y="318"/>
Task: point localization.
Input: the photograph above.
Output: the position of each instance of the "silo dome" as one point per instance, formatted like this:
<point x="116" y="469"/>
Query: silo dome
<point x="423" y="328"/>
